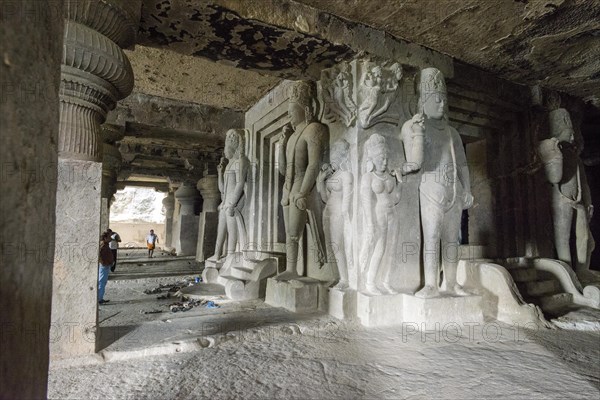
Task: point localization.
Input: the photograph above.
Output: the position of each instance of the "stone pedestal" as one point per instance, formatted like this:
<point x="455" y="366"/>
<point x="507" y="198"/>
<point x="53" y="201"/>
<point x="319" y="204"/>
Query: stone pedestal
<point x="383" y="310"/>
<point x="342" y="303"/>
<point x="440" y="312"/>
<point x="297" y="295"/>
<point x="424" y="314"/>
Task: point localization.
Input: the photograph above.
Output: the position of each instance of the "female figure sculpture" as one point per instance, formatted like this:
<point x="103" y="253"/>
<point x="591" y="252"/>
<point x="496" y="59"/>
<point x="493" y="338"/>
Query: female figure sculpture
<point x="335" y="184"/>
<point x="379" y="192"/>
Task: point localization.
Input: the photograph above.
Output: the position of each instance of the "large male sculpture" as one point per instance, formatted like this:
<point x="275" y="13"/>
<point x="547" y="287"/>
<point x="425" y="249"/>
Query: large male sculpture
<point x="435" y="149"/>
<point x="300" y="158"/>
<point x="231" y="180"/>
<point x="570" y="193"/>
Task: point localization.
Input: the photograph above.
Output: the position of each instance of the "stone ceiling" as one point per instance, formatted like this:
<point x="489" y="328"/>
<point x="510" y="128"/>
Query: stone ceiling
<point x="165" y="73"/>
<point x="554" y="43"/>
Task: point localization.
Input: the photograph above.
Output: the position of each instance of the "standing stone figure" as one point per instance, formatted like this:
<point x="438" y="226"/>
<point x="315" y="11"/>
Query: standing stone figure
<point x="232" y="179"/>
<point x="435" y="149"/>
<point x="300" y="164"/>
<point x="379" y="193"/>
<point x="335" y="184"/>
<point x="570" y="193"/>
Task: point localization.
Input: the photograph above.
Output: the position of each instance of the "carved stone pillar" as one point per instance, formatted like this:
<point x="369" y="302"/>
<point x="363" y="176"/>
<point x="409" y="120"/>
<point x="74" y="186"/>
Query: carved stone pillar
<point x="209" y="217"/>
<point x="169" y="205"/>
<point x="111" y="164"/>
<point x="31" y="47"/>
<point x="95" y="73"/>
<point x="187" y="237"/>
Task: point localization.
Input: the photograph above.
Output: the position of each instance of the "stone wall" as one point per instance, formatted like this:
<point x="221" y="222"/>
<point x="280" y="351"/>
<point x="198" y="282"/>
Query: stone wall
<point x="31" y="46"/>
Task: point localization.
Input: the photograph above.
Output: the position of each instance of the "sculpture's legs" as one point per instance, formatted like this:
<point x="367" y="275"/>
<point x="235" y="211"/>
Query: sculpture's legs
<point x="387" y="272"/>
<point x="336" y="248"/>
<point x="221" y="232"/>
<point x="232" y="234"/>
<point x="450" y="249"/>
<point x="295" y="220"/>
<point x="431" y="221"/>
<point x="562" y="218"/>
<point x="377" y="255"/>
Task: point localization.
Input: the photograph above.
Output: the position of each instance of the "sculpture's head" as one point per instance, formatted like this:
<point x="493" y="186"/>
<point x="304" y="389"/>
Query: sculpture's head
<point x="302" y="102"/>
<point x="234" y="142"/>
<point x="375" y="153"/>
<point x="433" y="97"/>
<point x="339" y="153"/>
<point x="561" y="126"/>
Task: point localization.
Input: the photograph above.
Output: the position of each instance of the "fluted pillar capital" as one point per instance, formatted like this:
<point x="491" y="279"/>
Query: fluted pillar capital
<point x="95" y="72"/>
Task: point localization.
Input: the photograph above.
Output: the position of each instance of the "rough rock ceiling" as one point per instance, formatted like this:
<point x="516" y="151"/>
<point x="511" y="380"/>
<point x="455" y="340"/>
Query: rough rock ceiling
<point x="164" y="73"/>
<point x="555" y="43"/>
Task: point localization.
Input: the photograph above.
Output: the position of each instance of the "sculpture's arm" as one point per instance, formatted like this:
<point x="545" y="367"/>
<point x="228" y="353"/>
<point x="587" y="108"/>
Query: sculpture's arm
<point x="241" y="174"/>
<point x="220" y="169"/>
<point x="321" y="186"/>
<point x="462" y="167"/>
<point x="552" y="158"/>
<point x="314" y="143"/>
<point x="283" y="139"/>
<point x="412" y="136"/>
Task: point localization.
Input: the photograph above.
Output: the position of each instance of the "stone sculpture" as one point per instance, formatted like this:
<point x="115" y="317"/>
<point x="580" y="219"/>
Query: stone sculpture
<point x="378" y="90"/>
<point x="380" y="193"/>
<point x="570" y="193"/>
<point x="300" y="163"/>
<point x="337" y="95"/>
<point x="232" y="180"/>
<point x="434" y="149"/>
<point x="335" y="184"/>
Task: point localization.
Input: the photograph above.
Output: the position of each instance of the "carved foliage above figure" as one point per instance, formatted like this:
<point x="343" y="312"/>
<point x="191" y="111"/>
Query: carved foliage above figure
<point x="378" y="89"/>
<point x="337" y="92"/>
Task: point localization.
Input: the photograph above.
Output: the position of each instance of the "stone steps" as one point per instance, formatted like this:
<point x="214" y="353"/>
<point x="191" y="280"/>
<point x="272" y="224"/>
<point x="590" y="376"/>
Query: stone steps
<point x="539" y="287"/>
<point x="524" y="274"/>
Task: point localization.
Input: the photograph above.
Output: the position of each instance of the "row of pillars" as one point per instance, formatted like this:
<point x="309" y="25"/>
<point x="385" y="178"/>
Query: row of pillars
<point x="186" y="232"/>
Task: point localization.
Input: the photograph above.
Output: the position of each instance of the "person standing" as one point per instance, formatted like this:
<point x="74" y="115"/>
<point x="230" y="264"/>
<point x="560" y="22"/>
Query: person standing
<point x="115" y="239"/>
<point x="151" y="241"/>
<point x="106" y="261"/>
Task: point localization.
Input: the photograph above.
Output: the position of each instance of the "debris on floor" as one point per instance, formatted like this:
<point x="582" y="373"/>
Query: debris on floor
<point x="151" y="312"/>
<point x="186" y="304"/>
<point x="172" y="287"/>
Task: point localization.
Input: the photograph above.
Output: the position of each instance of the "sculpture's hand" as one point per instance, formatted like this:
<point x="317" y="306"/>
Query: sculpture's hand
<point x="324" y="173"/>
<point x="221" y="166"/>
<point x="299" y="200"/>
<point x="418" y="124"/>
<point x="220" y="206"/>
<point x="286" y="132"/>
<point x="549" y="149"/>
<point x="230" y="211"/>
<point x="467" y="200"/>
<point x="590" y="212"/>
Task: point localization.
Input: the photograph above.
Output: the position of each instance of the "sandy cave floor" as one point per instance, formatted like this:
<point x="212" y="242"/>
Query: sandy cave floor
<point x="252" y="351"/>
